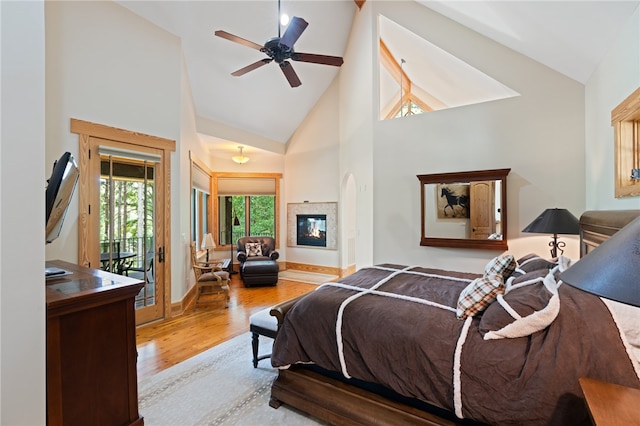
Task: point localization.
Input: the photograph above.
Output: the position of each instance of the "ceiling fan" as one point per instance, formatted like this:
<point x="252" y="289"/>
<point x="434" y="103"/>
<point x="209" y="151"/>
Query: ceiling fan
<point x="280" y="49"/>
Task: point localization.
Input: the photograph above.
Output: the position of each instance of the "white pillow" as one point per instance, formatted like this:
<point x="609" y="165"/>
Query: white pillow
<point x="253" y="249"/>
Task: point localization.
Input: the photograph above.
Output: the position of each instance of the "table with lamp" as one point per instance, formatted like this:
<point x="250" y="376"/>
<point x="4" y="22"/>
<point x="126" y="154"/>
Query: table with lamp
<point x="209" y="244"/>
<point x="555" y="221"/>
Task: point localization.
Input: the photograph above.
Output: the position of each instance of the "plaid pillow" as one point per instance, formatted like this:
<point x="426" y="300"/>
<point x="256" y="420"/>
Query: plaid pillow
<point x="479" y="294"/>
<point x="503" y="265"/>
<point x="253" y="249"/>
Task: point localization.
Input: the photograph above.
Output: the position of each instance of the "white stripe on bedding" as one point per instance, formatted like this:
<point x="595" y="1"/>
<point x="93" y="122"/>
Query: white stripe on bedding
<point x="392" y="295"/>
<point x="373" y="291"/>
<point x="457" y="385"/>
<point x="343" y="305"/>
<point x="507" y="307"/>
<point x="408" y="270"/>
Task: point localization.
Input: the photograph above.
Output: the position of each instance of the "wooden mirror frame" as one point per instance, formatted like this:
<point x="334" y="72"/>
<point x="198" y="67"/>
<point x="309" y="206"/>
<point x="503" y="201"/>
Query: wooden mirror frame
<point x="473" y="176"/>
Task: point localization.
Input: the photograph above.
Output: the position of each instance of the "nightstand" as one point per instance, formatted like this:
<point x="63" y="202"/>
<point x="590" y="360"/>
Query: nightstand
<point x="611" y="404"/>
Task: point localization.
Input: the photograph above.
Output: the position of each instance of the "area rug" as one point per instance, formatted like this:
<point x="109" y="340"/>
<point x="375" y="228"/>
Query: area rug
<point x="217" y="387"/>
<point x="305" y="277"/>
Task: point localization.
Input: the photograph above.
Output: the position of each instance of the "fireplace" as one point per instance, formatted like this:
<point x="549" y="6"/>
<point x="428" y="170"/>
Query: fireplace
<point x="312" y="225"/>
<point x="311" y="230"/>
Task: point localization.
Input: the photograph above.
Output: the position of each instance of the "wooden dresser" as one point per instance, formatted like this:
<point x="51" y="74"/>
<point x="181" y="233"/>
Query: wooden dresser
<point x="91" y="348"/>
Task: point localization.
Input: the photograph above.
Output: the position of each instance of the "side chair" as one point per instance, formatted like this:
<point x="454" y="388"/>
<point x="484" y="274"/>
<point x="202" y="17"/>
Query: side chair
<point x="211" y="280"/>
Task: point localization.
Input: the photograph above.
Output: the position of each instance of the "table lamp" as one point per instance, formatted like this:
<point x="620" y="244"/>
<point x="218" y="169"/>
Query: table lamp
<point x="612" y="270"/>
<point x="555" y="221"/>
<point x="208" y="243"/>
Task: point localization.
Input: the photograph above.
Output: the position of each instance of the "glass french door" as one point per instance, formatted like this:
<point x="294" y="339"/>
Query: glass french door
<point x="128" y="221"/>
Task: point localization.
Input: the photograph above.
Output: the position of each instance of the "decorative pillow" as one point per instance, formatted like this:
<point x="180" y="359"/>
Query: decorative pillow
<point x="530" y="303"/>
<point x="533" y="262"/>
<point x="479" y="294"/>
<point x="253" y="249"/>
<point x="503" y="265"/>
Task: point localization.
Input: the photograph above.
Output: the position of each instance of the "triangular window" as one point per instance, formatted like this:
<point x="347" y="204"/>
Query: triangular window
<point x="417" y="76"/>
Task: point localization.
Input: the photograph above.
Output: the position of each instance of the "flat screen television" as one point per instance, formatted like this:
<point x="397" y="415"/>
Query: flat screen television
<point x="60" y="187"/>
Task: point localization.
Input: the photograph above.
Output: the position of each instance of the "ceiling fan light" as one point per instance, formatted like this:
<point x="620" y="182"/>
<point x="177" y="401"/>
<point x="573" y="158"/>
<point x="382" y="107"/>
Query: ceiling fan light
<point x="240" y="159"/>
<point x="284" y="19"/>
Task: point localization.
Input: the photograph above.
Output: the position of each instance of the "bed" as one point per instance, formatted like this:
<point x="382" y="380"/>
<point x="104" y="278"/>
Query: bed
<point x="395" y="344"/>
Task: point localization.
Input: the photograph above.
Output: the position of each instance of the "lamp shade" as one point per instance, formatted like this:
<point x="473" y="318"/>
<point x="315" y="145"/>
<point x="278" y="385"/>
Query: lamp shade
<point x="240" y="159"/>
<point x="554" y="221"/>
<point x="612" y="270"/>
<point x="208" y="243"/>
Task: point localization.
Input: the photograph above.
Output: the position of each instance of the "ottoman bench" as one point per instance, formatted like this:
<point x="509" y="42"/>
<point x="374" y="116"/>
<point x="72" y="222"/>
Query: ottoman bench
<point x="260" y="272"/>
<point x="261" y="323"/>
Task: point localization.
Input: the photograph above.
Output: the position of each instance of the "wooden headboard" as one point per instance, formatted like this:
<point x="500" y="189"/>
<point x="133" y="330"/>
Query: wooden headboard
<point x="596" y="226"/>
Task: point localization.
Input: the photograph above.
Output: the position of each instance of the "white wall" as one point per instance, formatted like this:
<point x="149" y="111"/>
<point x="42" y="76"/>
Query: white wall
<point x="109" y="66"/>
<point x="358" y="108"/>
<point x="617" y="76"/>
<point x="182" y="278"/>
<point x="312" y="173"/>
<point x="22" y="183"/>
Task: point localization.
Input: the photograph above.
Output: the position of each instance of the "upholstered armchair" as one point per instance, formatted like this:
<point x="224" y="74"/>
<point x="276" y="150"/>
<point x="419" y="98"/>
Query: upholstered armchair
<point x="256" y="248"/>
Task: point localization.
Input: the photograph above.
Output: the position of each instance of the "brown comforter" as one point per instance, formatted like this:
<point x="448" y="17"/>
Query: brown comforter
<point x="402" y="333"/>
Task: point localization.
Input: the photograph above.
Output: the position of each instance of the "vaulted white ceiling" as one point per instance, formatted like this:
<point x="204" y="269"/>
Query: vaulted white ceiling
<point x="570" y="37"/>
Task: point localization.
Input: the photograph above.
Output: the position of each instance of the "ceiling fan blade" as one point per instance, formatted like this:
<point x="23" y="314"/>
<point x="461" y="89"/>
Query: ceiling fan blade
<point x="317" y="59"/>
<point x="291" y="75"/>
<point x="237" y="39"/>
<point x="293" y="31"/>
<point x="251" y="67"/>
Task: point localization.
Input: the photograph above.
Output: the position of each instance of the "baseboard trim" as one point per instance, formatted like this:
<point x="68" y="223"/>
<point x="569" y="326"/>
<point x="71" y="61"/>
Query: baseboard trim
<point x="318" y="269"/>
<point x="178" y="308"/>
<point x="348" y="270"/>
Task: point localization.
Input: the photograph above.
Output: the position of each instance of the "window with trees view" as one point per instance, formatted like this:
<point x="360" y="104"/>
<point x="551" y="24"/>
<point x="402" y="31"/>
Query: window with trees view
<point x="245" y="204"/>
<point x="255" y="213"/>
<point x="126" y="205"/>
<point x="199" y="215"/>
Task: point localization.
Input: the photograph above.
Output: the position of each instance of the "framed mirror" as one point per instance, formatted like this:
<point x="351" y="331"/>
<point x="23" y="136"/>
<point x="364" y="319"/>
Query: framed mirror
<point x="464" y="209"/>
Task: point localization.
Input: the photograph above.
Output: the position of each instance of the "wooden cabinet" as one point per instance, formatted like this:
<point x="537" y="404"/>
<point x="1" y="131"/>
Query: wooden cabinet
<point x="91" y="348"/>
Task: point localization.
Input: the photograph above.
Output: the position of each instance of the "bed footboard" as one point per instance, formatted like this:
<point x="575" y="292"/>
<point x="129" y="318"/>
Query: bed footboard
<point x="342" y="404"/>
<point x="281" y="309"/>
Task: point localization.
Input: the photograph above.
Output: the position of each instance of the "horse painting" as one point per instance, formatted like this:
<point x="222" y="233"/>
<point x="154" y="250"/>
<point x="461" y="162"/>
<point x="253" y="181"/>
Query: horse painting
<point x="456" y="202"/>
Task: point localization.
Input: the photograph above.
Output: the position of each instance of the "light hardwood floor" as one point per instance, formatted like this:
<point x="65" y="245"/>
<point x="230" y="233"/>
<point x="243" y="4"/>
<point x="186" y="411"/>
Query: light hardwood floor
<point x="165" y="343"/>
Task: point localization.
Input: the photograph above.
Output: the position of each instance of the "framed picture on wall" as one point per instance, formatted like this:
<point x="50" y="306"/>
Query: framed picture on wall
<point x="452" y="200"/>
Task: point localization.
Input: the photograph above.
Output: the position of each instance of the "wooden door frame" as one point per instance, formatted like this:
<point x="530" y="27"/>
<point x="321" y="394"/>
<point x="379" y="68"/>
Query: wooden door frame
<point x="87" y="239"/>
